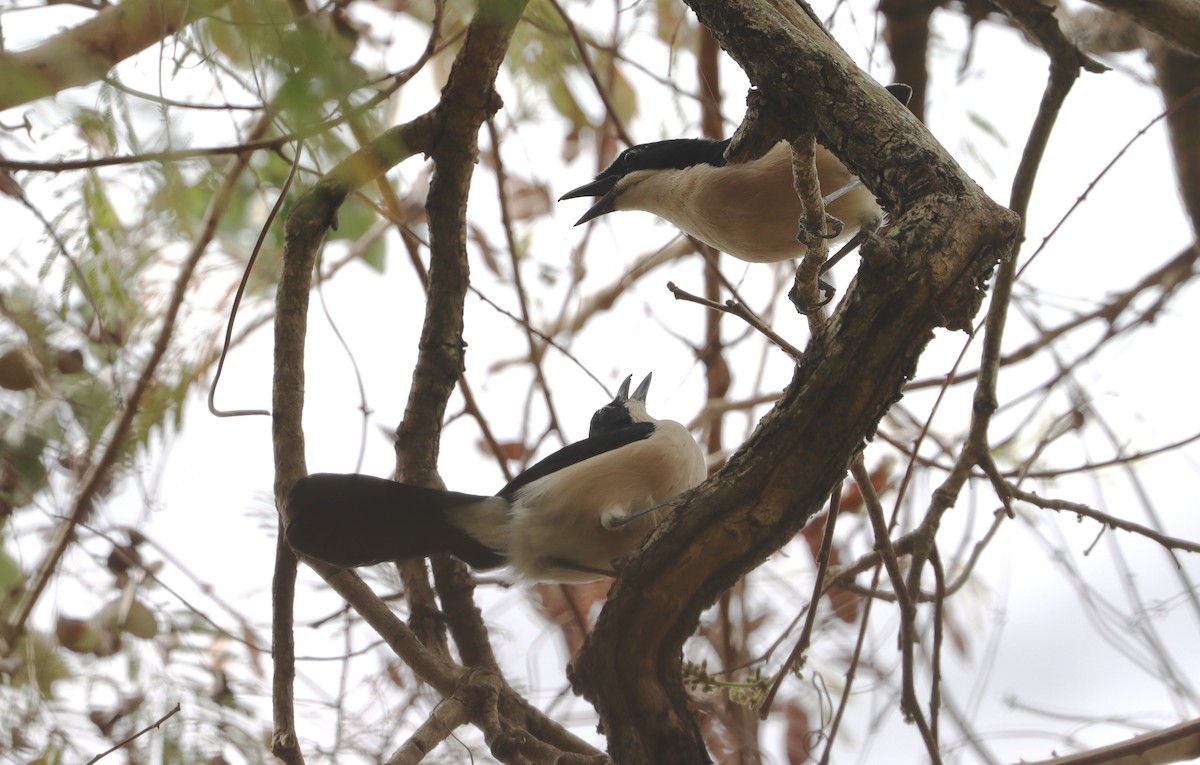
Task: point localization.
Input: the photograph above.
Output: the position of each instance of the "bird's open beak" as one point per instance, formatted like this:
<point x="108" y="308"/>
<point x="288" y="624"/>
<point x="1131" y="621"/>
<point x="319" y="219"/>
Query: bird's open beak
<point x="623" y="391"/>
<point x="642" y="389"/>
<point x="638" y="395"/>
<point x="605" y="188"/>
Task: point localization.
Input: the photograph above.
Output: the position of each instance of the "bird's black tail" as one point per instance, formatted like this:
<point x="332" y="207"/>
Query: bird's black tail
<point x="359" y="520"/>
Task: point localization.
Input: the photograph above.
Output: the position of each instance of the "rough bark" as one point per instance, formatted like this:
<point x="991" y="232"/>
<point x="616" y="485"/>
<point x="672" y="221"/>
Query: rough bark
<point x="928" y="273"/>
<point x="514" y="731"/>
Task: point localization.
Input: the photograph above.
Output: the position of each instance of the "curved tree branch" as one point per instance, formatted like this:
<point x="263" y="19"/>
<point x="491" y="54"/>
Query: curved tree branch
<point x="84" y="54"/>
<point x="927" y="273"/>
<point x="448" y="134"/>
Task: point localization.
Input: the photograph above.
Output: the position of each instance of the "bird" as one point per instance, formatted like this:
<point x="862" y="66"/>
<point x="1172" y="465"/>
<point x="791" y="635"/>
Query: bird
<point x="749" y="210"/>
<point x="564" y="519"/>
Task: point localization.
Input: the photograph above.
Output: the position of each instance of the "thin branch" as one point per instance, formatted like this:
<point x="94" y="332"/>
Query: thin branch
<point x="739" y="310"/>
<point x="1169" y="277"/>
<point x="1112" y="521"/>
<point x="1065" y="63"/>
<point x="793" y="662"/>
<point x="1182" y="102"/>
<point x="590" y="68"/>
<point x="544" y="337"/>
<point x="174" y="155"/>
<point x="1174" y="744"/>
<point x="99" y="472"/>
<point x="152" y="726"/>
<point x="241" y="289"/>
<point x="851" y="669"/>
<point x="535" y="358"/>
<point x="908" y="610"/>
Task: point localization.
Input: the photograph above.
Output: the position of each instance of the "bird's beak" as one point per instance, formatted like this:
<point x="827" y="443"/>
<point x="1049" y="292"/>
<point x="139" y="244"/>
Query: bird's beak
<point x="605" y="188"/>
<point x="642" y="389"/>
<point x="596" y="188"/>
<point x="623" y="391"/>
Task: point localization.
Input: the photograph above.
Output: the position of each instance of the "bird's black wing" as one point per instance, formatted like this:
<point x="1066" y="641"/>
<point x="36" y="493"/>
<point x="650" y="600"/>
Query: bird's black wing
<point x="360" y="520"/>
<point x="578" y="452"/>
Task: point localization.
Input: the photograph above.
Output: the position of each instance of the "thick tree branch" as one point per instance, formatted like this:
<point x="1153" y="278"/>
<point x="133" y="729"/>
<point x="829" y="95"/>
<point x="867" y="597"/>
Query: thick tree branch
<point x="1174" y="744"/>
<point x="467" y="101"/>
<point x="927" y="273"/>
<point x="516" y="731"/>
<point x="1176" y="21"/>
<point x="84" y="54"/>
<point x="307" y="224"/>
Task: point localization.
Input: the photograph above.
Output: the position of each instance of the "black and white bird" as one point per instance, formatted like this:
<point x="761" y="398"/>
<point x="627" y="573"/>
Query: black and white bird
<point x="749" y="210"/>
<point x="565" y="519"/>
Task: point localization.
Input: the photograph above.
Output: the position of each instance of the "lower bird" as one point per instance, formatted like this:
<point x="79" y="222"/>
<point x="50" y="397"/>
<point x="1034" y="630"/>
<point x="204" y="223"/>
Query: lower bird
<point x="565" y="519"/>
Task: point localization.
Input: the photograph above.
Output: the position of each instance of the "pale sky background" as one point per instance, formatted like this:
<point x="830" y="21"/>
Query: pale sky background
<point x="1031" y="643"/>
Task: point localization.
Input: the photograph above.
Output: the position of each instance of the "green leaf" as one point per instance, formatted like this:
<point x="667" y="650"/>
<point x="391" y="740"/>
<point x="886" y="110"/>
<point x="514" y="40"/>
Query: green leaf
<point x="41" y="664"/>
<point x="355" y="219"/>
<point x="11" y="576"/>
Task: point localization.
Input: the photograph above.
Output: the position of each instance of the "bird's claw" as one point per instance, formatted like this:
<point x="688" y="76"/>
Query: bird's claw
<point x="827" y="291"/>
<point x="833" y="229"/>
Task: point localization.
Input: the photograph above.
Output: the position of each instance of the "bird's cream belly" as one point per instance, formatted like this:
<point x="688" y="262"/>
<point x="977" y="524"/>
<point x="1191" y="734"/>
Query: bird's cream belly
<point x="540" y="555"/>
<point x="765" y="230"/>
<point x="584" y="496"/>
<point x="751" y="210"/>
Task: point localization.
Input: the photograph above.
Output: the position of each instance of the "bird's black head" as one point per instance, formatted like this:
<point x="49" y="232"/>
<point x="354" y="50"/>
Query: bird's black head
<point x="622" y="410"/>
<point x="675" y="154"/>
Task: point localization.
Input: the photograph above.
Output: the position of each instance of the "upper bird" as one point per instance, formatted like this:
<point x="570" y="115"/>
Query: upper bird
<point x="565" y="519"/>
<point x="749" y="210"/>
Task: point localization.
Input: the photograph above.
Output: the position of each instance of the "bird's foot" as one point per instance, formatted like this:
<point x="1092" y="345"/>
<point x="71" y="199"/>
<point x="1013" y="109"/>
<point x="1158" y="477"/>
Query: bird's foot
<point x="832" y="230"/>
<point x="827" y="293"/>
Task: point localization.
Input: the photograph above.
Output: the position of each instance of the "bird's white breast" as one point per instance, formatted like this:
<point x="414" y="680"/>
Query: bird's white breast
<point x="561" y="515"/>
<point x="749" y="210"/>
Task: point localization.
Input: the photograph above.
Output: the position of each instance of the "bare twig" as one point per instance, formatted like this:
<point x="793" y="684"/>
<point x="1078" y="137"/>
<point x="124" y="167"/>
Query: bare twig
<point x="590" y="67"/>
<point x="241" y="288"/>
<point x="98" y="473"/>
<point x="792" y="663"/>
<point x="908" y="609"/>
<point x="1112" y="521"/>
<point x="739" y="310"/>
<point x="1174" y="744"/>
<point x="535" y="358"/>
<point x="152" y="726"/>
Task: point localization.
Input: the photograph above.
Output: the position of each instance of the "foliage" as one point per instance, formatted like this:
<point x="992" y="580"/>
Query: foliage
<point x="135" y="204"/>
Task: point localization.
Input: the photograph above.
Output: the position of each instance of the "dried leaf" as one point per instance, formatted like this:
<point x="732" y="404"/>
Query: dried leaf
<point x="15" y="373"/>
<point x="570" y="606"/>
<point x="796" y="738"/>
<point x="527" y="199"/>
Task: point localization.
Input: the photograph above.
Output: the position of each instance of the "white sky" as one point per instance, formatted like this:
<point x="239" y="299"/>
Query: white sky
<point x="213" y="491"/>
